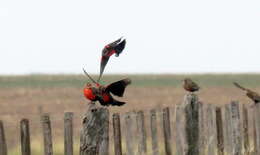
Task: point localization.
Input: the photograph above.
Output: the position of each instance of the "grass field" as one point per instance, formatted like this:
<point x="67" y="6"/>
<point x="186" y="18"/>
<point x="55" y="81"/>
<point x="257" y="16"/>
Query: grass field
<point x="21" y="96"/>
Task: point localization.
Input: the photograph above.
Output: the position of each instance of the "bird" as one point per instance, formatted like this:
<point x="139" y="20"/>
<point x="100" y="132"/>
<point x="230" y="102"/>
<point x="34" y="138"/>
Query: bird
<point x="251" y="94"/>
<point x="189" y="85"/>
<point x="103" y="94"/>
<point x="116" y="48"/>
<point x="95" y="91"/>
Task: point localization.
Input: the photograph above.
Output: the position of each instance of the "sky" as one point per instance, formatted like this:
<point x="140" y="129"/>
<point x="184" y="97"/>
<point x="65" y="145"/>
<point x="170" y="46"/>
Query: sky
<point x="163" y="36"/>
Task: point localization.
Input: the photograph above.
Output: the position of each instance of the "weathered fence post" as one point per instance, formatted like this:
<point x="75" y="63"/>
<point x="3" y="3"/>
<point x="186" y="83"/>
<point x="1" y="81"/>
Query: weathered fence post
<point x="167" y="131"/>
<point x="142" y="147"/>
<point x="153" y="124"/>
<point x="254" y="132"/>
<point x="202" y="128"/>
<point x="25" y="137"/>
<point x="3" y="146"/>
<point x="94" y="138"/>
<point x="130" y="130"/>
<point x="257" y="126"/>
<point x="235" y="128"/>
<point x="173" y="128"/>
<point x="191" y="103"/>
<point x="227" y="130"/>
<point x="68" y="133"/>
<point x="220" y="136"/>
<point x="181" y="143"/>
<point x="117" y="134"/>
<point x="47" y="134"/>
<point x="245" y="130"/>
<point x="211" y="129"/>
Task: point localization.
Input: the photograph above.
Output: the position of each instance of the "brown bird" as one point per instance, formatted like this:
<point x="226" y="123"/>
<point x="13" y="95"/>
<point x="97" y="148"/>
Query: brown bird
<point x="189" y="85"/>
<point x="251" y="94"/>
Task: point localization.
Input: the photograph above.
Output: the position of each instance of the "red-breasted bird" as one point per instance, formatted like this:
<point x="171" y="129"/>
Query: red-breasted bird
<point x="251" y="94"/>
<point x="189" y="85"/>
<point x="96" y="92"/>
<point x="116" y="48"/>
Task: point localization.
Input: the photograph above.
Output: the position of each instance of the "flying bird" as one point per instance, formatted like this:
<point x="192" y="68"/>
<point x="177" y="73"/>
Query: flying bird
<point x="189" y="85"/>
<point x="96" y="92"/>
<point x="251" y="94"/>
<point x="116" y="48"/>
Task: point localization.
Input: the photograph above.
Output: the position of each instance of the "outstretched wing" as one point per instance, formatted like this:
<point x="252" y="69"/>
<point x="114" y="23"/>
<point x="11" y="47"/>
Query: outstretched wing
<point x="116" y="48"/>
<point x="120" y="47"/>
<point x="118" y="88"/>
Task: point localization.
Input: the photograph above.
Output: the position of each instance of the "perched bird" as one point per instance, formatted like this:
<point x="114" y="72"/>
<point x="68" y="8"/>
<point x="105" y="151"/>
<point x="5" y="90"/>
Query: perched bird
<point x="96" y="92"/>
<point x="251" y="94"/>
<point x="189" y="85"/>
<point x="116" y="48"/>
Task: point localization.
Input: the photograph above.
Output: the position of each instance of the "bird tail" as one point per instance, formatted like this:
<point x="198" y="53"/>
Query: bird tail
<point x="239" y="86"/>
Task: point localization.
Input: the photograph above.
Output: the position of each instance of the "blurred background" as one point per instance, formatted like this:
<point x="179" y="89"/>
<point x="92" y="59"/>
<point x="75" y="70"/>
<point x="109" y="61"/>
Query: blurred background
<point x="45" y="44"/>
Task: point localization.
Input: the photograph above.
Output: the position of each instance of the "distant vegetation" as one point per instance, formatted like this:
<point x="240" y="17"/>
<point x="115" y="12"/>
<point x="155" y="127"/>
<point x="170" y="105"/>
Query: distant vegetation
<point x="251" y="80"/>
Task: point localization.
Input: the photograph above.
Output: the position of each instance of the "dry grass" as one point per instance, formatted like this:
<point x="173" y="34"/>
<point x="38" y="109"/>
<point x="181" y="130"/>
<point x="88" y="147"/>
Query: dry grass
<point x="21" y="97"/>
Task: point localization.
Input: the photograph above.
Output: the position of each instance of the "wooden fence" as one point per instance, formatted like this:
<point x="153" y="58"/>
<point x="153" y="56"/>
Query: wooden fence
<point x="190" y="128"/>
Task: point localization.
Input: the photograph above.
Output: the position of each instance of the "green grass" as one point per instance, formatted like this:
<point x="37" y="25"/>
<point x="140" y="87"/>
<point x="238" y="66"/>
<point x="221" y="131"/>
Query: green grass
<point x="251" y="80"/>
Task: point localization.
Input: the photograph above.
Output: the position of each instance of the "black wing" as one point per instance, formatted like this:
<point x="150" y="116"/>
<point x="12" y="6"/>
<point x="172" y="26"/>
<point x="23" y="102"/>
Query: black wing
<point x="120" y="47"/>
<point x="118" y="88"/>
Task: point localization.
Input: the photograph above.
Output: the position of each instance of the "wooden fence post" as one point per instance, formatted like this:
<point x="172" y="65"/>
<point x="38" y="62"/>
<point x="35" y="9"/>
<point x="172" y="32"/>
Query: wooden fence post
<point x="153" y="124"/>
<point x="142" y="147"/>
<point x="47" y="134"/>
<point x="117" y="134"/>
<point x="212" y="129"/>
<point x="220" y="136"/>
<point x="25" y="137"/>
<point x="3" y="146"/>
<point x="245" y="130"/>
<point x="130" y="130"/>
<point x="173" y="128"/>
<point x="192" y="123"/>
<point x="254" y="132"/>
<point x="227" y="130"/>
<point x="235" y="128"/>
<point x="167" y="131"/>
<point x="68" y="133"/>
<point x="202" y="128"/>
<point x="181" y="143"/>
<point x="94" y="138"/>
<point x="257" y="126"/>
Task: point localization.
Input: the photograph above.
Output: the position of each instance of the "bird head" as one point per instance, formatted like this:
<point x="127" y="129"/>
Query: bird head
<point x="88" y="92"/>
<point x="187" y="80"/>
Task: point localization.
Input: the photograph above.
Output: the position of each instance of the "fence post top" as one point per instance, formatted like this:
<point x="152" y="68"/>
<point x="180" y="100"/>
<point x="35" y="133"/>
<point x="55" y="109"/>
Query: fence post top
<point x="45" y="118"/>
<point x="24" y="120"/>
